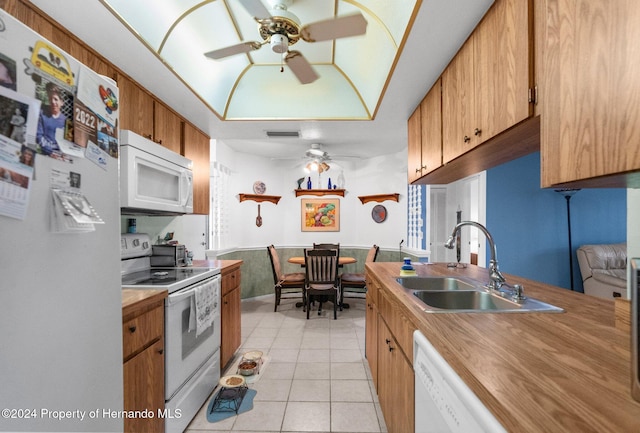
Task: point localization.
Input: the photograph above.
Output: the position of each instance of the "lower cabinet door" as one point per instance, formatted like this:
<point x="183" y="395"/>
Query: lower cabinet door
<point x="395" y="383"/>
<point x="144" y="389"/>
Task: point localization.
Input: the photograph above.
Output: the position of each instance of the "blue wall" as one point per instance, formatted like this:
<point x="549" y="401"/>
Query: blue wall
<point x="529" y="224"/>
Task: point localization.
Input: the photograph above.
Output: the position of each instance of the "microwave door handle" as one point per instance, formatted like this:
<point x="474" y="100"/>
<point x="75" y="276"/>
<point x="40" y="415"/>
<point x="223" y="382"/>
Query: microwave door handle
<point x="186" y="192"/>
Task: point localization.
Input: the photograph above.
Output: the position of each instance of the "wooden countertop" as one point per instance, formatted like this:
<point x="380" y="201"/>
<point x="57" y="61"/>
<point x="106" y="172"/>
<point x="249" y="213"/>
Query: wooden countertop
<point x="135" y="299"/>
<point x="222" y="264"/>
<point x="536" y="372"/>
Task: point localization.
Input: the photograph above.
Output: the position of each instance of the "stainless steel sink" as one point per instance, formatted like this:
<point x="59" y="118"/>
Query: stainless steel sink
<point x="478" y="301"/>
<point x="434" y="283"/>
<point x="452" y="295"/>
<point x="465" y="300"/>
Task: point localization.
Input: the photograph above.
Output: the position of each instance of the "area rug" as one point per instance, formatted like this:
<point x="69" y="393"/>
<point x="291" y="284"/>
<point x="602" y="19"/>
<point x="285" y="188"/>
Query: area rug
<point x="233" y="369"/>
<point x="245" y="406"/>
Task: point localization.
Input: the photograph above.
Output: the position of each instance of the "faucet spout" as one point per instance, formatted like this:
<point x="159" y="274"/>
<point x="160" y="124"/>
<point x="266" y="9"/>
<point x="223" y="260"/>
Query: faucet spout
<point x="496" y="277"/>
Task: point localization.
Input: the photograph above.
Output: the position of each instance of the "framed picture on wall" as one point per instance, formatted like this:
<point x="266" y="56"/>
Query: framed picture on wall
<point x="320" y="215"/>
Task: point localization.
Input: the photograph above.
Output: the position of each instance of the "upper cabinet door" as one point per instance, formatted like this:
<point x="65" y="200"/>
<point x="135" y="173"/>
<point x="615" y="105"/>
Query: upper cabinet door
<point x="590" y="122"/>
<point x="414" y="149"/>
<point x="458" y="106"/>
<point x="196" y="147"/>
<point x="136" y="107"/>
<point x="167" y="127"/>
<point x="431" y="115"/>
<point x="503" y="68"/>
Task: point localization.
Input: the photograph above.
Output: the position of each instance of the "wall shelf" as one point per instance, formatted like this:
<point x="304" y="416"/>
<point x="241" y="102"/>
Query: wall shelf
<point x="259" y="198"/>
<point x="379" y="197"/>
<point x="320" y="192"/>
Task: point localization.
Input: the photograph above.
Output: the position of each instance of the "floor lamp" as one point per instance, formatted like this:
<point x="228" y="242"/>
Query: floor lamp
<point x="568" y="193"/>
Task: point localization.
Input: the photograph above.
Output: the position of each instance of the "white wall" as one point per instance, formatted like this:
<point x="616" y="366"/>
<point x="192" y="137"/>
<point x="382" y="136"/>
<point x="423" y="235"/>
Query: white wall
<point x="281" y="223"/>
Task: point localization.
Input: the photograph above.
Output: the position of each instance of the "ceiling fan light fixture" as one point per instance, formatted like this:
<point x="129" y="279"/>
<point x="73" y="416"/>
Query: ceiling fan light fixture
<point x="279" y="43"/>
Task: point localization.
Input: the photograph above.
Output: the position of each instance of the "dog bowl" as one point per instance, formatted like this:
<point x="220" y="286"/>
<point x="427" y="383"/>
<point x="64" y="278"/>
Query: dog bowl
<point x="247" y="368"/>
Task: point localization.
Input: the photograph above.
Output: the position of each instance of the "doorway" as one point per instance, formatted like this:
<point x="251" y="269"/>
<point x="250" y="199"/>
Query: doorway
<point x="463" y="200"/>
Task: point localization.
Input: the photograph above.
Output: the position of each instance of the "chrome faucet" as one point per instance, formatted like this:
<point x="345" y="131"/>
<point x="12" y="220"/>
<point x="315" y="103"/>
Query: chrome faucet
<point x="497" y="280"/>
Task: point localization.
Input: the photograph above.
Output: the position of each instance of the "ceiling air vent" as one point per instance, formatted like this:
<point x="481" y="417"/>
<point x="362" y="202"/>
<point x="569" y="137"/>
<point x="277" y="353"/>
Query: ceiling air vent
<point x="283" y="134"/>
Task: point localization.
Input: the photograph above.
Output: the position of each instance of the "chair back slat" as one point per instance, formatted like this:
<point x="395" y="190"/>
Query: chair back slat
<point x="321" y="266"/>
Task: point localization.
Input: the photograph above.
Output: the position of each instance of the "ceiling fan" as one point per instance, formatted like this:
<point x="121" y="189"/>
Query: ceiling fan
<point x="281" y="29"/>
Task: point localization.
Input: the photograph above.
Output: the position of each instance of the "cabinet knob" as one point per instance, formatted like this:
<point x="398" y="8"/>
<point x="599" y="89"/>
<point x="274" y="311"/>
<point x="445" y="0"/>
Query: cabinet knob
<point x="391" y="348"/>
<point x="132" y="329"/>
<point x="477" y="131"/>
<point x="467" y="139"/>
<point x="424" y="167"/>
<point x="148" y="136"/>
<point x="417" y="170"/>
<point x="160" y="351"/>
<point x="387" y="341"/>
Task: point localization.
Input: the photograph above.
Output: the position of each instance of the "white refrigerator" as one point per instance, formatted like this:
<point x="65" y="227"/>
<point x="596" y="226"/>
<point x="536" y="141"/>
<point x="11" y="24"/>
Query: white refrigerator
<point x="60" y="287"/>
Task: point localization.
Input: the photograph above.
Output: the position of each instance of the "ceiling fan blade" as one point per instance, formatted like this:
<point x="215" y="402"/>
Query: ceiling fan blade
<point x="340" y="27"/>
<point x="256" y="9"/>
<point x="301" y="68"/>
<point x="243" y="47"/>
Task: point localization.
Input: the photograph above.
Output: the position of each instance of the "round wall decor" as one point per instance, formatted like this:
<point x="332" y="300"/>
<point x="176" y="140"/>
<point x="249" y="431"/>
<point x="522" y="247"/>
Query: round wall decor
<point x="259" y="187"/>
<point x="379" y="213"/>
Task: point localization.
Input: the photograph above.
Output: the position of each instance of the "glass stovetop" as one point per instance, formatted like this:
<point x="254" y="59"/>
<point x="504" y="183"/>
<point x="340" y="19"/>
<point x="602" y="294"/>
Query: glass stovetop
<point x="170" y="278"/>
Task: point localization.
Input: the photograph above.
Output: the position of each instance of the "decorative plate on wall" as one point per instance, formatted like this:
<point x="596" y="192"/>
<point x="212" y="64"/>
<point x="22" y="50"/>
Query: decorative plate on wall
<point x="259" y="187"/>
<point x="379" y="213"/>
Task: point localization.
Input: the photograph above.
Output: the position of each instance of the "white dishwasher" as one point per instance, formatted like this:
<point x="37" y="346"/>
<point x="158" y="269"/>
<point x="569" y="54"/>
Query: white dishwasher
<point x="443" y="402"/>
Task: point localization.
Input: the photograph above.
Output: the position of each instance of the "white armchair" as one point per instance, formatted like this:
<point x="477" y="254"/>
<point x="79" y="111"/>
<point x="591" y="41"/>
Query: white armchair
<point x="604" y="269"/>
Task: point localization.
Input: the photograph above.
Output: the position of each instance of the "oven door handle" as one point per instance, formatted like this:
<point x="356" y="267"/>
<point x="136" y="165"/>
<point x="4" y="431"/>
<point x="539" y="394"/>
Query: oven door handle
<point x="181" y="295"/>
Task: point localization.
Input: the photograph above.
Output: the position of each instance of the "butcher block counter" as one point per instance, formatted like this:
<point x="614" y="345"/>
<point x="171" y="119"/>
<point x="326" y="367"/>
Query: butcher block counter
<point x="536" y="372"/>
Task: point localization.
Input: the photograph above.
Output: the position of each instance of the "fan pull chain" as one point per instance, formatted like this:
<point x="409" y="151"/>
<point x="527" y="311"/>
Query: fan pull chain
<point x="282" y="63"/>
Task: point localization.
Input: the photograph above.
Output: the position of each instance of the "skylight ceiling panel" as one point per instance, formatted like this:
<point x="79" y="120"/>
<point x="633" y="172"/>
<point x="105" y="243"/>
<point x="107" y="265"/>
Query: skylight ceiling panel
<point x="266" y="93"/>
<point x="184" y="52"/>
<point x="394" y="14"/>
<point x="149" y="18"/>
<point x="367" y="61"/>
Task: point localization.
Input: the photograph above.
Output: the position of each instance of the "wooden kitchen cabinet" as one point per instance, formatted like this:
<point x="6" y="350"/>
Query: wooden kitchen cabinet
<point x="230" y="312"/>
<point x="196" y="147"/>
<point x="141" y="113"/>
<point x="371" y="329"/>
<point x="167" y="127"/>
<point x="136" y="107"/>
<point x="591" y="94"/>
<point x="395" y="383"/>
<point x="414" y="146"/>
<point x="389" y="351"/>
<point x="143" y="363"/>
<point x="485" y="88"/>
<point x="425" y="135"/>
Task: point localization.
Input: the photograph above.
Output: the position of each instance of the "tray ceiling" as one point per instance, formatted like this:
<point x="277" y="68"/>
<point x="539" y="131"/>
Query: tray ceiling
<point x="354" y="71"/>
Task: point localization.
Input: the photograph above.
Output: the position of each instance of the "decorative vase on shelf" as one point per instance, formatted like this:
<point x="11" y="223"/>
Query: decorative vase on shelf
<point x="341" y="180"/>
<point x="309" y="183"/>
<point x="329" y="183"/>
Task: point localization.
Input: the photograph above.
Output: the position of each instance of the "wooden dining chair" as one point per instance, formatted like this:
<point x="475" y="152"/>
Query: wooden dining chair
<point x="321" y="278"/>
<point x="355" y="282"/>
<point x="285" y="284"/>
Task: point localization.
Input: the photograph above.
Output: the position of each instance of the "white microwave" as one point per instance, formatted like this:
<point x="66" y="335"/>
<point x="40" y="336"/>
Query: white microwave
<point x="153" y="179"/>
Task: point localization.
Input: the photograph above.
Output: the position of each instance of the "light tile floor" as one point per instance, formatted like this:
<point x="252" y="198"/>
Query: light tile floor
<point x="317" y="378"/>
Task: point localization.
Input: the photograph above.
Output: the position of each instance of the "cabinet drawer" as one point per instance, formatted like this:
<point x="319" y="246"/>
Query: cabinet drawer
<point x="401" y="327"/>
<point x="141" y="331"/>
<point x="230" y="281"/>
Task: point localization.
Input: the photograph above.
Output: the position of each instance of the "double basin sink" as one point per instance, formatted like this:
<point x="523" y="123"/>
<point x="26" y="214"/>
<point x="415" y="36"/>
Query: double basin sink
<point x="450" y="295"/>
